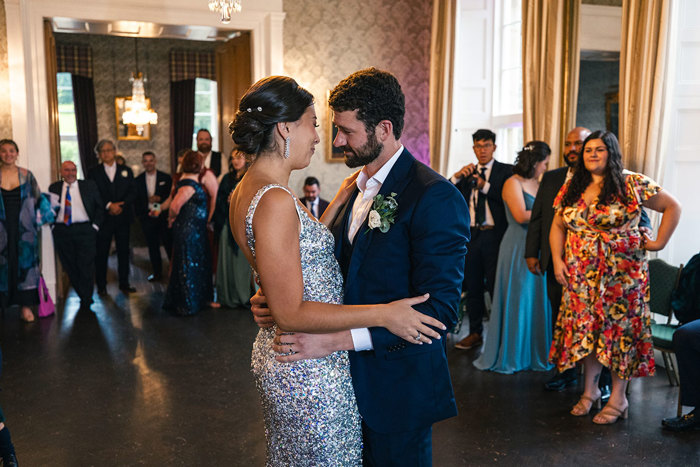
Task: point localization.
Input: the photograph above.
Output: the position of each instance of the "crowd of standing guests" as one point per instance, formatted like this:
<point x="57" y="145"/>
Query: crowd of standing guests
<point x="584" y="248"/>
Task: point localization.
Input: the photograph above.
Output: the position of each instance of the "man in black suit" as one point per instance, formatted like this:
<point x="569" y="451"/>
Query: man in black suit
<point x="312" y="197"/>
<point x="75" y="231"/>
<point x="152" y="188"/>
<point x="481" y="185"/>
<point x="116" y="185"/>
<point x="212" y="159"/>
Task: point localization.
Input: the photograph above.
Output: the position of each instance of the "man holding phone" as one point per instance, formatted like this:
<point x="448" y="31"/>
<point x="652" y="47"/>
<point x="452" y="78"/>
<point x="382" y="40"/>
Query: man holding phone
<point x="153" y="187"/>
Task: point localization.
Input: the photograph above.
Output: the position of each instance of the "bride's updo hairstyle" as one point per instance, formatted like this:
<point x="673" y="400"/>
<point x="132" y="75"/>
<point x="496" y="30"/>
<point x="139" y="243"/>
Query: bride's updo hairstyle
<point x="270" y="101"/>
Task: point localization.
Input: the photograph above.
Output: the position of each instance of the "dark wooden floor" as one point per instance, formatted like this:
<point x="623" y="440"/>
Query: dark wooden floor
<point x="128" y="384"/>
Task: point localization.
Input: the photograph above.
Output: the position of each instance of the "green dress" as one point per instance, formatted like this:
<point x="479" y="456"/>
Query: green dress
<point x="234" y="284"/>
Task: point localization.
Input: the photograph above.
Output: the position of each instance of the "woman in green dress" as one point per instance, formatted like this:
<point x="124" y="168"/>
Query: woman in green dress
<point x="233" y="280"/>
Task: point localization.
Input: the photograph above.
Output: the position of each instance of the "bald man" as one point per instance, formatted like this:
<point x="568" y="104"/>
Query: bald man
<point x="75" y="230"/>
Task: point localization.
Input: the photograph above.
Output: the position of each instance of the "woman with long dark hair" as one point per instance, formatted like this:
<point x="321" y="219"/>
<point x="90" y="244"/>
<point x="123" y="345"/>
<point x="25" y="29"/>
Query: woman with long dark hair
<point x="599" y="256"/>
<point x="519" y="331"/>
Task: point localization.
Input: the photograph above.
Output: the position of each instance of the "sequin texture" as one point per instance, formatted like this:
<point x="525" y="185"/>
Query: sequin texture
<point x="311" y="417"/>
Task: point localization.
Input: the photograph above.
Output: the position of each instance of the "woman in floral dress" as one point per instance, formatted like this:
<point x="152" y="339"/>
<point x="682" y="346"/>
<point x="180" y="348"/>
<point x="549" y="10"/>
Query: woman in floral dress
<point x="599" y="257"/>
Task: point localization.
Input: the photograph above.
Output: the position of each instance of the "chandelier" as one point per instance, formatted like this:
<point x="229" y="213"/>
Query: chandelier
<point x="226" y="8"/>
<point x="136" y="110"/>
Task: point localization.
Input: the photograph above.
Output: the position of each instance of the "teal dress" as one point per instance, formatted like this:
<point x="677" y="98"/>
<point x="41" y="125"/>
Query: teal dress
<point x="519" y="333"/>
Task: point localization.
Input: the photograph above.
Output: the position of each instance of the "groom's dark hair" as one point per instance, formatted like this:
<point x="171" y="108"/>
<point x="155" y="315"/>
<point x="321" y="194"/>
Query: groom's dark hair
<point x="375" y="94"/>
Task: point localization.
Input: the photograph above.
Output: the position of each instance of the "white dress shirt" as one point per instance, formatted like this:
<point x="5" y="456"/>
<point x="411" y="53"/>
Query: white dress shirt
<point x="312" y="206"/>
<point x="110" y="170"/>
<point x="151" y="183"/>
<point x="77" y="208"/>
<point x="369" y="187"/>
<point x="474" y="196"/>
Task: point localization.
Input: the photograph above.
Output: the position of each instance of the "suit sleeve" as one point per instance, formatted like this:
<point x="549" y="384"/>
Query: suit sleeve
<point x="439" y="235"/>
<point x="534" y="228"/>
<point x="504" y="173"/>
<point x="130" y="196"/>
<point x="97" y="201"/>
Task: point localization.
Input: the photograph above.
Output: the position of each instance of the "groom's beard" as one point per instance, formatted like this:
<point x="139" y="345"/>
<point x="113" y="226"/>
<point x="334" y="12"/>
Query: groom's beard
<point x="363" y="155"/>
<point x="568" y="161"/>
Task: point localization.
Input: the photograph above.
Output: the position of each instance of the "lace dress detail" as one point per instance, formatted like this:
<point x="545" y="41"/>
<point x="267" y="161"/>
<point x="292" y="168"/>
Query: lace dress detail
<point x="311" y="417"/>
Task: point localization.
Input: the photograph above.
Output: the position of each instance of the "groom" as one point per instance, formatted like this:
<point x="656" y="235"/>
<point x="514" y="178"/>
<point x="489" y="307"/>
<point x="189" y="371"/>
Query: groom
<point x="401" y="388"/>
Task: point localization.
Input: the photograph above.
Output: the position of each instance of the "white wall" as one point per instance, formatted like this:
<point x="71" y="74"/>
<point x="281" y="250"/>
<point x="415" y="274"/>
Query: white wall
<point x="682" y="164"/>
<point x="27" y="63"/>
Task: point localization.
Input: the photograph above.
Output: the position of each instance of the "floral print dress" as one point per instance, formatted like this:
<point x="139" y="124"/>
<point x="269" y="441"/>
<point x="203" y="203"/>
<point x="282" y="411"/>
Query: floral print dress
<point x="604" y="307"/>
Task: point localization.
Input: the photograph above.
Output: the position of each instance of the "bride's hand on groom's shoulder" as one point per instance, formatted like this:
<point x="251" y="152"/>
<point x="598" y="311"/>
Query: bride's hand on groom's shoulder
<point x="402" y="320"/>
<point x="261" y="313"/>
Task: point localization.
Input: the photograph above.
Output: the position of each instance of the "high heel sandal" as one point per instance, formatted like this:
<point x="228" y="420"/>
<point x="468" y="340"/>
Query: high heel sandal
<point x="604" y="416"/>
<point x="584" y="405"/>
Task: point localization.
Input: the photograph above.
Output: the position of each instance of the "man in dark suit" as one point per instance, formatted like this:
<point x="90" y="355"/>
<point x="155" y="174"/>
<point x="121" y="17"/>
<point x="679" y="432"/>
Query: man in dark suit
<point x="75" y="231"/>
<point x="152" y="188"/>
<point x="212" y="159"/>
<point x="481" y="185"/>
<point x="312" y="197"/>
<point x="401" y="388"/>
<point x="116" y="185"/>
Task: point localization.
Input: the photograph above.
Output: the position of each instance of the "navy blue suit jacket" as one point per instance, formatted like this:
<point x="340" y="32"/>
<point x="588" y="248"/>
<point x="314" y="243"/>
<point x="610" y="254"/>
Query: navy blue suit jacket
<point x="401" y="386"/>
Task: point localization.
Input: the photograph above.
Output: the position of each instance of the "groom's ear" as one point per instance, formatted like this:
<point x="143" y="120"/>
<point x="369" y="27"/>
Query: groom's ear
<point x="384" y="130"/>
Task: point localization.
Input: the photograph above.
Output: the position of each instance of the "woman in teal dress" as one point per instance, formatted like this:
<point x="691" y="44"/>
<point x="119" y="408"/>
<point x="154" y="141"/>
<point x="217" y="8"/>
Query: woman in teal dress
<point x="23" y="210"/>
<point x="233" y="277"/>
<point x="519" y="332"/>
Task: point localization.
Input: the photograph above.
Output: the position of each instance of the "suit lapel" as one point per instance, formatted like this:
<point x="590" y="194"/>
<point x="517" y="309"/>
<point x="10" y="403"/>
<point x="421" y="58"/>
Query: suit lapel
<point x="395" y="182"/>
<point x="339" y="226"/>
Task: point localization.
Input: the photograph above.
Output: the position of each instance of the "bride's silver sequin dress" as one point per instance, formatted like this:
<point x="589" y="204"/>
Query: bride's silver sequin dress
<point x="311" y="417"/>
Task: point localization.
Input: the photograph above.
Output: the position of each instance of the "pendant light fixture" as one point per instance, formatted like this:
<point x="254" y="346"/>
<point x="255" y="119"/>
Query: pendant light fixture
<point x="136" y="110"/>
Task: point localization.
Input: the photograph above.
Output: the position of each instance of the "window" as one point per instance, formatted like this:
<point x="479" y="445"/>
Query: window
<point x="508" y="79"/>
<point x="67" y="127"/>
<point x="206" y="111"/>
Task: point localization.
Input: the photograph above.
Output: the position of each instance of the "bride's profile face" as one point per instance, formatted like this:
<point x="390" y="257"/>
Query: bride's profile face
<point x="304" y="137"/>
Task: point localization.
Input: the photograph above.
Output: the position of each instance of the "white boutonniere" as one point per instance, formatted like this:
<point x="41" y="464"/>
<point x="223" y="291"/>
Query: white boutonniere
<point x="383" y="213"/>
<point x="124" y="173"/>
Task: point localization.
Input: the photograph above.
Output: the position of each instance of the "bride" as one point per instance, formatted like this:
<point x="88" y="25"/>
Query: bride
<point x="309" y="406"/>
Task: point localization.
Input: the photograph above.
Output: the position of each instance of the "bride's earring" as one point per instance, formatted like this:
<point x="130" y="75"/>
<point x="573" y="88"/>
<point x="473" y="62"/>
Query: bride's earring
<point x="286" y="147"/>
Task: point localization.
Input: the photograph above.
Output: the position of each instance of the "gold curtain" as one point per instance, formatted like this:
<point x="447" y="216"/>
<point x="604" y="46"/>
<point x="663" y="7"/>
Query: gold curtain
<point x="442" y="45"/>
<point x="643" y="64"/>
<point x="550" y="70"/>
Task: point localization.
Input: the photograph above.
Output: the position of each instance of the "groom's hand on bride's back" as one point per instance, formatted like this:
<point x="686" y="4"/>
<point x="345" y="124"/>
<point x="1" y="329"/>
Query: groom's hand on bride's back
<point x="261" y="313"/>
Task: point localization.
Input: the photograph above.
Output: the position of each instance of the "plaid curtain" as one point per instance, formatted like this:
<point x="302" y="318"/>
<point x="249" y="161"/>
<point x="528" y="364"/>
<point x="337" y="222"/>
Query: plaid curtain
<point x="187" y="64"/>
<point x="74" y="59"/>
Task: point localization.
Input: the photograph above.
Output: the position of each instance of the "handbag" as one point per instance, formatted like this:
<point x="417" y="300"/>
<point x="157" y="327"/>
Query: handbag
<point x="46" y="306"/>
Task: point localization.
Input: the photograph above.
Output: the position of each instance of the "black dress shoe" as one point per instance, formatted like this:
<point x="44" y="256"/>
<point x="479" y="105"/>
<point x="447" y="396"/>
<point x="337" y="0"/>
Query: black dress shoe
<point x="687" y="422"/>
<point x="560" y="381"/>
<point x="153" y="278"/>
<point x="10" y="460"/>
<point x="127" y="289"/>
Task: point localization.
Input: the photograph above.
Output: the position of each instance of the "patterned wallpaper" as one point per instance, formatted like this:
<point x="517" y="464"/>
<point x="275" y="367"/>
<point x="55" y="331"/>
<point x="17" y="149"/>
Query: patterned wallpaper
<point x="5" y="114"/>
<point x="113" y="63"/>
<point x="326" y="41"/>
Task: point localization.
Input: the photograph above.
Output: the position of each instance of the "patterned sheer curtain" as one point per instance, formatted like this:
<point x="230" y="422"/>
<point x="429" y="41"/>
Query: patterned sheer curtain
<point x="643" y="74"/>
<point x="185" y="67"/>
<point x="550" y="70"/>
<point x="77" y="60"/>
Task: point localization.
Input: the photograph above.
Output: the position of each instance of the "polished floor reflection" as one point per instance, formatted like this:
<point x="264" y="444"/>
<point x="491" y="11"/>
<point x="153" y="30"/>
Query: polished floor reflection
<point x="128" y="384"/>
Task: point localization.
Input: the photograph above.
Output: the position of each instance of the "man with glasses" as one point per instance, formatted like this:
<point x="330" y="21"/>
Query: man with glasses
<point x="116" y="186"/>
<point x="481" y="185"/>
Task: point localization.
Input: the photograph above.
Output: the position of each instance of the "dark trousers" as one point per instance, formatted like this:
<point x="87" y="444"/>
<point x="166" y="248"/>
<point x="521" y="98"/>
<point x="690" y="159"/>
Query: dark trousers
<point x="480" y="274"/>
<point x="405" y="449"/>
<point x="117" y="227"/>
<point x="76" y="245"/>
<point x="686" y="343"/>
<point x="156" y="231"/>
